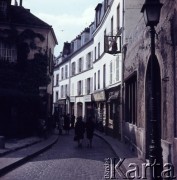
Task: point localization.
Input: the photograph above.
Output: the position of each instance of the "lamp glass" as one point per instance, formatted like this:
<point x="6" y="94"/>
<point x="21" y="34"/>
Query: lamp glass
<point x="152" y="14"/>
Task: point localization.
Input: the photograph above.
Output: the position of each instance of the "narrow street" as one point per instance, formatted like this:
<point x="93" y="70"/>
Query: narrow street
<point x="66" y="161"/>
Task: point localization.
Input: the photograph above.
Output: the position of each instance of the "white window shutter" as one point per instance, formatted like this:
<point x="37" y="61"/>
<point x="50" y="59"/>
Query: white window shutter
<point x="85" y="86"/>
<point x="91" y="84"/>
<point x="78" y="88"/>
<point x="81" y="87"/>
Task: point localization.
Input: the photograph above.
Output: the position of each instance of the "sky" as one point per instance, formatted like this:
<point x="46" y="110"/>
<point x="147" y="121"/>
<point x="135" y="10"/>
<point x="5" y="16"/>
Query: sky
<point x="67" y="17"/>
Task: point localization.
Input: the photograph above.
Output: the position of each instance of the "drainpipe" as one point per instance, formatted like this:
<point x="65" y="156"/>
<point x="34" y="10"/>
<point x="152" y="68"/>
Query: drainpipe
<point x="122" y="70"/>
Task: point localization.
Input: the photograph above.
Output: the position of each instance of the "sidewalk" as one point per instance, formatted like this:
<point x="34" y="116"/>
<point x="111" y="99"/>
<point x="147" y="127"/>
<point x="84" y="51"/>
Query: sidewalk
<point x="131" y="162"/>
<point x="17" y="152"/>
<point x="12" y="145"/>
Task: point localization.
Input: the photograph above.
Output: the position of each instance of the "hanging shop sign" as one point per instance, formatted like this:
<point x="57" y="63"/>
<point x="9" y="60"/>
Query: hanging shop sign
<point x="99" y="96"/>
<point x="115" y="95"/>
<point x="61" y="101"/>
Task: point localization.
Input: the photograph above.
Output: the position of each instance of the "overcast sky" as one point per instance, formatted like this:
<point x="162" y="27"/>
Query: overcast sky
<point x="67" y="17"/>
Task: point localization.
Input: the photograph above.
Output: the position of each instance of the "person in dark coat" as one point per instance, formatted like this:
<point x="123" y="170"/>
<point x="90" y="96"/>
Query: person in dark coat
<point x="72" y="121"/>
<point x="60" y="124"/>
<point x="79" y="131"/>
<point x="90" y="127"/>
<point x="67" y="123"/>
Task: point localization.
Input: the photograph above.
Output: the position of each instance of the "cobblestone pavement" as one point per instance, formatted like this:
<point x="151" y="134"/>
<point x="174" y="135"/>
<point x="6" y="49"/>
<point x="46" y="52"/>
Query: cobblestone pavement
<point x="65" y="161"/>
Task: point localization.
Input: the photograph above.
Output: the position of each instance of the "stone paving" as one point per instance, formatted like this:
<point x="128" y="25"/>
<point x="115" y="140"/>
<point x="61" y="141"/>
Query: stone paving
<point x="66" y="161"/>
<point x="18" y="152"/>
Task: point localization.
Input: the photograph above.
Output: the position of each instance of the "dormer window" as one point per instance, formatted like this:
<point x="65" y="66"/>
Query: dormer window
<point x="98" y="14"/>
<point x="85" y="36"/>
<point x="3" y="8"/>
<point x="77" y="43"/>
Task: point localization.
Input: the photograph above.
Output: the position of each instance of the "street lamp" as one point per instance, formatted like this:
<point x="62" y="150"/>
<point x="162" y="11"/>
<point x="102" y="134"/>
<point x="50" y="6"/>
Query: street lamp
<point x="151" y="10"/>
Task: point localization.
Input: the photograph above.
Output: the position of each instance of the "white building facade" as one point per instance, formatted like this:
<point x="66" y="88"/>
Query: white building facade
<point x="93" y="82"/>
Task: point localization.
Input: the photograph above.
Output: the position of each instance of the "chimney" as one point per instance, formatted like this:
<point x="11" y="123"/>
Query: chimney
<point x="20" y="2"/>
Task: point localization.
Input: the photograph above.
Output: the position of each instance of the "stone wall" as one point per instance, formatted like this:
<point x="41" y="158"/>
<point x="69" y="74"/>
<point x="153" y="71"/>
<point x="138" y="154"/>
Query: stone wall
<point x="137" y="57"/>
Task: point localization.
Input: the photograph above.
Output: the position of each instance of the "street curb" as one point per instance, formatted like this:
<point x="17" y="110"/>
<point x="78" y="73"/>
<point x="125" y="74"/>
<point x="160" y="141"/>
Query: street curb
<point x="21" y="161"/>
<point x="18" y="148"/>
<point x="122" y="168"/>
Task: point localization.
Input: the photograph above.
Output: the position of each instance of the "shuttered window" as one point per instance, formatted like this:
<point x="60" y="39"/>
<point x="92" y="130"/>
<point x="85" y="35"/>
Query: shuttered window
<point x="131" y="100"/>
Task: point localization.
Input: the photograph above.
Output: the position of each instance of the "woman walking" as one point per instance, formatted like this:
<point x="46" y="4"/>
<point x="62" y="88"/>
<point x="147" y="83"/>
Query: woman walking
<point x="67" y="123"/>
<point x="90" y="127"/>
<point x="79" y="131"/>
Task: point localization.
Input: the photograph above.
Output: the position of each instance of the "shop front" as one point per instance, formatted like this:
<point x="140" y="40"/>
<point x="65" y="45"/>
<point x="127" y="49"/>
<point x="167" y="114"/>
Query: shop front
<point x="79" y="106"/>
<point x="61" y="105"/>
<point x="72" y="107"/>
<point x="113" y="112"/>
<point x="99" y="105"/>
<point x="89" y="110"/>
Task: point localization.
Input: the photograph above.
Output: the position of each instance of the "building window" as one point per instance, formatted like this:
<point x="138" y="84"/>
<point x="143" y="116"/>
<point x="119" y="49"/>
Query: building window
<point x="131" y="100"/>
<point x="111" y="73"/>
<point x="57" y="79"/>
<point x="62" y="73"/>
<point x="66" y="71"/>
<point x="73" y="68"/>
<point x="80" y="67"/>
<point x="56" y="96"/>
<point x="98" y="49"/>
<point x="112" y="27"/>
<point x="89" y="61"/>
<point x="88" y="86"/>
<point x="62" y="92"/>
<point x="98" y="79"/>
<point x="72" y="89"/>
<point x="8" y="52"/>
<point x="118" y="17"/>
<point x="117" y="68"/>
<point x="79" y="88"/>
<point x="104" y="75"/>
<point x="98" y="14"/>
<point x="94" y="81"/>
<point x="95" y="54"/>
<point x="66" y="90"/>
<point x="105" y="32"/>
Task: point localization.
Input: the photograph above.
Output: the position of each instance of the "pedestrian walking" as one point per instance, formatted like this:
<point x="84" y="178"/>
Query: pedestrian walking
<point x="72" y="121"/>
<point x="67" y="123"/>
<point x="60" y="124"/>
<point x="55" y="118"/>
<point x="90" y="127"/>
<point x="79" y="131"/>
